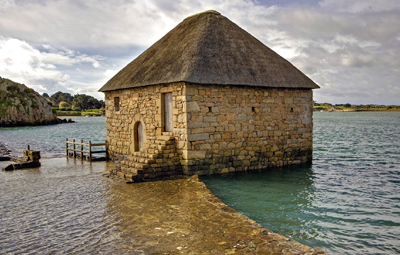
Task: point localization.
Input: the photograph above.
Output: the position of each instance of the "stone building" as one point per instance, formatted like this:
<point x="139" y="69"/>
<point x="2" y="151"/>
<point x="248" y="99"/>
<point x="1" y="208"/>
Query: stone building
<point x="207" y="98"/>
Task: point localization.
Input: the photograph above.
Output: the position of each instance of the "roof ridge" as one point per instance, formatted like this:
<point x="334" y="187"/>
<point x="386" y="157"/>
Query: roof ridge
<point x="205" y="12"/>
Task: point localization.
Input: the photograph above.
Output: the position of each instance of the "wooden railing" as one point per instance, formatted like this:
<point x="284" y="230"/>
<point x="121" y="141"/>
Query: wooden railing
<point x="82" y="153"/>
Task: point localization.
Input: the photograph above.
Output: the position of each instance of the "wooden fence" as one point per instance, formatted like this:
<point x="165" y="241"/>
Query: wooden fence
<point x="85" y="154"/>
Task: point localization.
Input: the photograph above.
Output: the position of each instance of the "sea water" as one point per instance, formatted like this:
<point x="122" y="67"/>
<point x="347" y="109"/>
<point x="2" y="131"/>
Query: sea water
<point x="346" y="202"/>
<point x="50" y="140"/>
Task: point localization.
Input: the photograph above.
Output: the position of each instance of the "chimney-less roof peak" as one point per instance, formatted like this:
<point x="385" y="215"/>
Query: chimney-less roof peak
<point x="206" y="12"/>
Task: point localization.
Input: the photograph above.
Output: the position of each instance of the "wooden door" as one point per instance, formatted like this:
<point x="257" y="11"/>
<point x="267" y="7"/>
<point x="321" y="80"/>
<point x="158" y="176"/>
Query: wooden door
<point x="168" y="124"/>
<point x="140" y="138"/>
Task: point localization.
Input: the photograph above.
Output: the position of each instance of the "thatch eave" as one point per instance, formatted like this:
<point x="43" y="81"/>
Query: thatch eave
<point x="206" y="84"/>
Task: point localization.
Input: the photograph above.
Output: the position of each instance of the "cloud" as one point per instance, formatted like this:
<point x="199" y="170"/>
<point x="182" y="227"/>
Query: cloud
<point x="344" y="46"/>
<point x="360" y="6"/>
<point x="349" y="50"/>
<point x="45" y="71"/>
<point x="81" y="24"/>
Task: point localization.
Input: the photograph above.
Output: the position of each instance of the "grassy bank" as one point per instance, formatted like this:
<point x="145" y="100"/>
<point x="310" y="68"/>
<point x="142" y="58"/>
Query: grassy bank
<point x="69" y="112"/>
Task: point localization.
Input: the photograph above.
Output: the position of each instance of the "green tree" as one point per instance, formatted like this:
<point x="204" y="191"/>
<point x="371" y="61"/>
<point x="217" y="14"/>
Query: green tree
<point x="84" y="102"/>
<point x="80" y="101"/>
<point x="59" y="96"/>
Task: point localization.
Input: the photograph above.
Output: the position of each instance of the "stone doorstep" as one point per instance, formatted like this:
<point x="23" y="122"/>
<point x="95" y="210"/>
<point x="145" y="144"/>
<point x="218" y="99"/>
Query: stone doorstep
<point x="163" y="138"/>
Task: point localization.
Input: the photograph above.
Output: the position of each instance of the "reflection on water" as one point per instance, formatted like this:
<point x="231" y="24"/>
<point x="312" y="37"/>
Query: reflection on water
<point x="278" y="197"/>
<point x="55" y="208"/>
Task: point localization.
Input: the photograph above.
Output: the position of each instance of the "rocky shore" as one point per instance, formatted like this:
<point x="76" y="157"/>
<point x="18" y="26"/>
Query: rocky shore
<point x="22" y="106"/>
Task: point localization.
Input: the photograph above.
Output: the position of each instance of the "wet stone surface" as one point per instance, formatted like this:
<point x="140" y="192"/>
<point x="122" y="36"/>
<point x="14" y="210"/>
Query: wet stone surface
<point x="183" y="217"/>
<point x="68" y="207"/>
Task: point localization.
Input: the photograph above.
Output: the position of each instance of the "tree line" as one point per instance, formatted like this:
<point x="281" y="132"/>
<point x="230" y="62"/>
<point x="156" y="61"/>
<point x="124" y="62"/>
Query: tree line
<point x="76" y="102"/>
<point x="361" y="107"/>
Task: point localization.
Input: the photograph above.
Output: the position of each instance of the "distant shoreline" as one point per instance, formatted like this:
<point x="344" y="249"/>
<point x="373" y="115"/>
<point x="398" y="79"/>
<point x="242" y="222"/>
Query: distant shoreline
<point x="79" y="116"/>
<point x="319" y="110"/>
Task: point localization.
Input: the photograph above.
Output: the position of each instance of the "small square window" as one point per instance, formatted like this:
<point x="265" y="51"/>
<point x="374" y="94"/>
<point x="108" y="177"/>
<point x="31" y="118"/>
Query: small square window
<point x="116" y="103"/>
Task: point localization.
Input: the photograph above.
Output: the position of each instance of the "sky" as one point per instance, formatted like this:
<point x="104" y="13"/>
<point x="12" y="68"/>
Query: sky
<point x="350" y="48"/>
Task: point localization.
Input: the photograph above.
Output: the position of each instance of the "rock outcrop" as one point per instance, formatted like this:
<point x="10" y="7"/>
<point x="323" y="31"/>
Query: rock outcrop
<point x="22" y="106"/>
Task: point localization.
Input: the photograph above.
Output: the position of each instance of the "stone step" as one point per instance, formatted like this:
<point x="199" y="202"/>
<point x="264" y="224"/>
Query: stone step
<point x="150" y="161"/>
<point x="167" y="133"/>
<point x="162" y="147"/>
<point x="141" y="166"/>
<point x="165" y="138"/>
<point x="170" y="142"/>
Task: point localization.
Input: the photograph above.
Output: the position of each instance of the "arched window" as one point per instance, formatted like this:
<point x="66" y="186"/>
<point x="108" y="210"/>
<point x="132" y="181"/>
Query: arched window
<point x="138" y="136"/>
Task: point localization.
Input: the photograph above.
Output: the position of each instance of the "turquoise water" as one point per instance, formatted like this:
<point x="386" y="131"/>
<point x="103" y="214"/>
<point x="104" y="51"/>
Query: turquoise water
<point x="346" y="202"/>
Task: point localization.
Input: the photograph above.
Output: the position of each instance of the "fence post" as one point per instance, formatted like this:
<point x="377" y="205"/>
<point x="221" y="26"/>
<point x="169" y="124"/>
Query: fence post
<point x="90" y="151"/>
<point x="81" y="149"/>
<point x="106" y="147"/>
<point x="74" y="147"/>
<point x="66" y="146"/>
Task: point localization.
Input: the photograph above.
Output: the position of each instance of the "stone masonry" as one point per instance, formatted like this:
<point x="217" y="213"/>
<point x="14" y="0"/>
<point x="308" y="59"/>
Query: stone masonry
<point x="217" y="129"/>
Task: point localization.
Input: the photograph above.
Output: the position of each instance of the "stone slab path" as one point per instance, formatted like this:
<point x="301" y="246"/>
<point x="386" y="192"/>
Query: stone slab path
<point x="184" y="217"/>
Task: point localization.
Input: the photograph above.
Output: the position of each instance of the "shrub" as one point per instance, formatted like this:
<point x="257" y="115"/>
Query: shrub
<point x="64" y="104"/>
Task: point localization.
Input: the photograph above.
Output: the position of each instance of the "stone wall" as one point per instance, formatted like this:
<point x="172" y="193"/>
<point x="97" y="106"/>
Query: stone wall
<point x="237" y="128"/>
<point x="217" y="129"/>
<point x="159" y="156"/>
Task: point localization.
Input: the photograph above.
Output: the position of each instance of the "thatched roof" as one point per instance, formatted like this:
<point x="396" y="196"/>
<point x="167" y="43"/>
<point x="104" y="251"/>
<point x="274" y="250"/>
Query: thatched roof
<point x="208" y="48"/>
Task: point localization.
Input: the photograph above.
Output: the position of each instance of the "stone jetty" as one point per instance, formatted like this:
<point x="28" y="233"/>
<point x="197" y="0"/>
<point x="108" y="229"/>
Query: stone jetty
<point x="183" y="217"/>
<point x="30" y="160"/>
